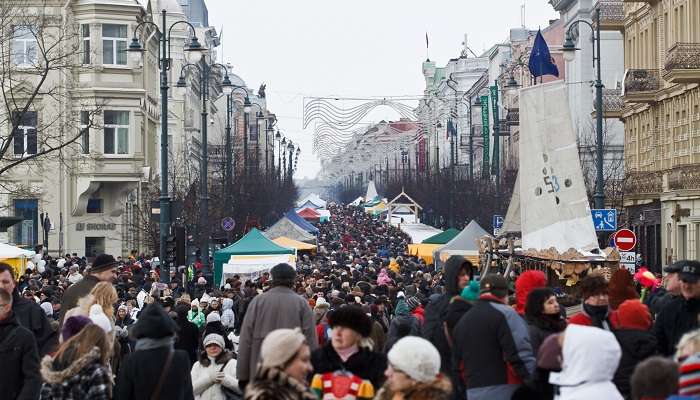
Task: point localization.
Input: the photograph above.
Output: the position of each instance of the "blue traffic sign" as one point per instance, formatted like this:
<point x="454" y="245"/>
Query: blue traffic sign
<point x="604" y="219"/>
<point x="497" y="222"/>
<point x="228" y="224"/>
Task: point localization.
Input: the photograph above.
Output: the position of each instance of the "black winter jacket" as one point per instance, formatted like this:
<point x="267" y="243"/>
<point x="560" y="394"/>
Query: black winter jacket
<point x="140" y="372"/>
<point x="31" y="316"/>
<point x="636" y="347"/>
<point x="492" y="341"/>
<point x="20" y="377"/>
<point x="365" y="363"/>
<point x="679" y="316"/>
<point x="75" y="292"/>
<point x="436" y="313"/>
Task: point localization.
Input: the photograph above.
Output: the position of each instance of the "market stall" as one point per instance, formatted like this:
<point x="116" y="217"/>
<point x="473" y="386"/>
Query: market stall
<point x="15" y="257"/>
<point x="285" y="227"/>
<point x="465" y="244"/>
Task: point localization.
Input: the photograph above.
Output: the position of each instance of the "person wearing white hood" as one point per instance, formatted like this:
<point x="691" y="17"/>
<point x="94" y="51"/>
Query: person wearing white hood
<point x="228" y="317"/>
<point x="590" y="357"/>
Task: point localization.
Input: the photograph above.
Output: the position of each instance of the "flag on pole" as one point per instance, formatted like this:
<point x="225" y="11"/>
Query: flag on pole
<point x="426" y="40"/>
<point x="541" y="62"/>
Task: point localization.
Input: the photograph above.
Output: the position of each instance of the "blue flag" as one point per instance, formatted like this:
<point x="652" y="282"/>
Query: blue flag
<point x="541" y="62"/>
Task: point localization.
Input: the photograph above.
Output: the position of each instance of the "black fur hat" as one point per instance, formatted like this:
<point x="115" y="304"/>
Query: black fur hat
<point x="351" y="317"/>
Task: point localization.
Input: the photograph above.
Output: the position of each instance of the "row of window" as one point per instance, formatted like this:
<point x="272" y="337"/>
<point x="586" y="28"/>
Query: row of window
<point x="114" y="42"/>
<point x="115" y="130"/>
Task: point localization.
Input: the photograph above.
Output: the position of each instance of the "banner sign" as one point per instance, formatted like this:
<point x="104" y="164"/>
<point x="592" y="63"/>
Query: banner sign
<point x="485" y="131"/>
<point x="496" y="122"/>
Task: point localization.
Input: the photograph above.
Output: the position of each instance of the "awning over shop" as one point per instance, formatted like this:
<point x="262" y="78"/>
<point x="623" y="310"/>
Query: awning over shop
<point x="253" y="243"/>
<point x="442" y="237"/>
<point x="294" y="244"/>
<point x="309" y="214"/>
<point x="305" y="225"/>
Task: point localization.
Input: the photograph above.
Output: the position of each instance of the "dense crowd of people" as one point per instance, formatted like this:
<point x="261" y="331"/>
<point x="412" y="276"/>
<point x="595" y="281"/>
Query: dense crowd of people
<point x="358" y="319"/>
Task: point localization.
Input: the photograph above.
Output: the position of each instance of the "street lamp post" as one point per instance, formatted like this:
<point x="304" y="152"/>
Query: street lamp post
<point x="164" y="62"/>
<point x="204" y="70"/>
<point x="228" y="182"/>
<point x="290" y="148"/>
<point x="569" y="50"/>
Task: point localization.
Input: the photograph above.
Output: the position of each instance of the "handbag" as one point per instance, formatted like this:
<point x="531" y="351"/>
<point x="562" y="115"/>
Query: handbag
<point x="230" y="393"/>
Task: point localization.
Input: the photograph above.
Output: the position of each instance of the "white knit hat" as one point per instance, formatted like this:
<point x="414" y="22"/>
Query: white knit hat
<point x="280" y="346"/>
<point x="98" y="317"/>
<point x="213" y="317"/>
<point x="416" y="357"/>
<point x="214" y="338"/>
<point x="48" y="309"/>
<point x="195" y="303"/>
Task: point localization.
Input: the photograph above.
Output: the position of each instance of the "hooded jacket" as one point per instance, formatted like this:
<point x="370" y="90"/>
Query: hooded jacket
<point x="436" y="312"/>
<point x="84" y="378"/>
<point x="403" y="324"/>
<point x="590" y="357"/>
<point x="228" y="318"/>
<point x="525" y="283"/>
<point x="204" y="387"/>
<point x="31" y="316"/>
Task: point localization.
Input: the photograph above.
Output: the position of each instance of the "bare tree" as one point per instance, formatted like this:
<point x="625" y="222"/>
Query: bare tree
<point x="39" y="52"/>
<point x="613" y="163"/>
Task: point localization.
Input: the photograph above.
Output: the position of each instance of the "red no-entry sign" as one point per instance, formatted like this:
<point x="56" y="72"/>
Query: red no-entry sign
<point x="625" y="240"/>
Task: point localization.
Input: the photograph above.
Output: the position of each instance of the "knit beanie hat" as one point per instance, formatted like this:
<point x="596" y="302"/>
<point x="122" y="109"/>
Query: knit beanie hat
<point x="213" y="317"/>
<point x="416" y="357"/>
<point x="413" y="302"/>
<point x="214" y="338"/>
<point x="471" y="291"/>
<point x="401" y="308"/>
<point x="98" y="317"/>
<point x="73" y="325"/>
<point x="689" y="381"/>
<point x="351" y="317"/>
<point x="633" y="314"/>
<point x="153" y="323"/>
<point x="280" y="346"/>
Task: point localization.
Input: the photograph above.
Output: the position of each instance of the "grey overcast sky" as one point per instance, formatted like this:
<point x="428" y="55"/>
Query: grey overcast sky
<point x="306" y="48"/>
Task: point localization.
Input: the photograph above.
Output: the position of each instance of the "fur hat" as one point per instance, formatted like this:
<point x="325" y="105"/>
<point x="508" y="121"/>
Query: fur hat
<point x="153" y="323"/>
<point x="73" y="325"/>
<point x="416" y="357"/>
<point x="351" y="317"/>
<point x="280" y="346"/>
<point x="214" y="338"/>
<point x="103" y="262"/>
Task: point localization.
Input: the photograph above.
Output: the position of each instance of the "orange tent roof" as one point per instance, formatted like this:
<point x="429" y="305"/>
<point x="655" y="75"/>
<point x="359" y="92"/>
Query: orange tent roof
<point x="309" y="213"/>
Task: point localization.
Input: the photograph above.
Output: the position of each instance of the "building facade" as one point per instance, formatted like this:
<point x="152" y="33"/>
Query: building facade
<point x="662" y="127"/>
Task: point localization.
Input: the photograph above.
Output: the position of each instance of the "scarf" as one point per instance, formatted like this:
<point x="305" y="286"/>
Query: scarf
<point x="549" y="322"/>
<point x="346" y="353"/>
<point x="150" y="343"/>
<point x="598" y="315"/>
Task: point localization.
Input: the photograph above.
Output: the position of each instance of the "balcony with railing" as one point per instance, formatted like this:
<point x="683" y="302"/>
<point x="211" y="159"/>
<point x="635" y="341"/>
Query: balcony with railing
<point x="612" y="103"/>
<point x="683" y="63"/>
<point x="612" y="15"/>
<point x="641" y="85"/>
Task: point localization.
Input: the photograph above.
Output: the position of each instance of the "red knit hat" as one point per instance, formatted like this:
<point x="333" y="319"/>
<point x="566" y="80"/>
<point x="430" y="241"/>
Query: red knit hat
<point x="633" y="314"/>
<point x="525" y="284"/>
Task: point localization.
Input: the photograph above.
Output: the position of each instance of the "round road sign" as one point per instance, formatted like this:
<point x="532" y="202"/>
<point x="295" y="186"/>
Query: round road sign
<point x="625" y="240"/>
<point x="228" y="224"/>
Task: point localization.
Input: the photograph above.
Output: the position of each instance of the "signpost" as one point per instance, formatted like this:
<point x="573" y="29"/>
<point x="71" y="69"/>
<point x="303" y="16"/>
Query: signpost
<point x="604" y="219"/>
<point x="625" y="241"/>
<point x="228" y="224"/>
<point x="497" y="223"/>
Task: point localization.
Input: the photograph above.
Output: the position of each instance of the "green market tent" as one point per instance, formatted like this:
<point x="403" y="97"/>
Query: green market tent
<point x="254" y="243"/>
<point x="442" y="237"/>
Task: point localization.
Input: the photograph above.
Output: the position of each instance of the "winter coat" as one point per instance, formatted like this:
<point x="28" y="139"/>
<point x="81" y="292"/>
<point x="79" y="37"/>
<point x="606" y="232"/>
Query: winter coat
<point x="678" y="317"/>
<point x="440" y="389"/>
<point x="228" y="318"/>
<point x="589" y="359"/>
<point x="85" y="378"/>
<point x="436" y="312"/>
<point x="403" y="324"/>
<point x="141" y="370"/>
<point x="366" y="364"/>
<point x="188" y="339"/>
<point x="19" y="358"/>
<point x="203" y="384"/>
<point x="378" y="336"/>
<point x="30" y="315"/>
<point x="541" y="328"/>
<point x="277" y="308"/>
<point x="197" y="318"/>
<point x="75" y="292"/>
<point x="273" y="384"/>
<point x="493" y="342"/>
<point x="636" y="346"/>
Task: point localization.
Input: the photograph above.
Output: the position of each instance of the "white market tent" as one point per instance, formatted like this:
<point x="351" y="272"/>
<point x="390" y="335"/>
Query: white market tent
<point x="251" y="267"/>
<point x="464" y="244"/>
<point x="357" y="201"/>
<point x="418" y="232"/>
<point x="286" y="228"/>
<point x="314" y="199"/>
<point x="15" y="257"/>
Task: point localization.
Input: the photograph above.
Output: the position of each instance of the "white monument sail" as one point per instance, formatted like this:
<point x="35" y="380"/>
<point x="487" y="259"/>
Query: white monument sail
<point x="553" y="203"/>
<point x="512" y="221"/>
<point x="371" y="191"/>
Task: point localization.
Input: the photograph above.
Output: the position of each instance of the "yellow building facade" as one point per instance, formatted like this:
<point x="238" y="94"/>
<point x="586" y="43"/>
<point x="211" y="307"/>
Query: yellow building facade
<point x="661" y="114"/>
